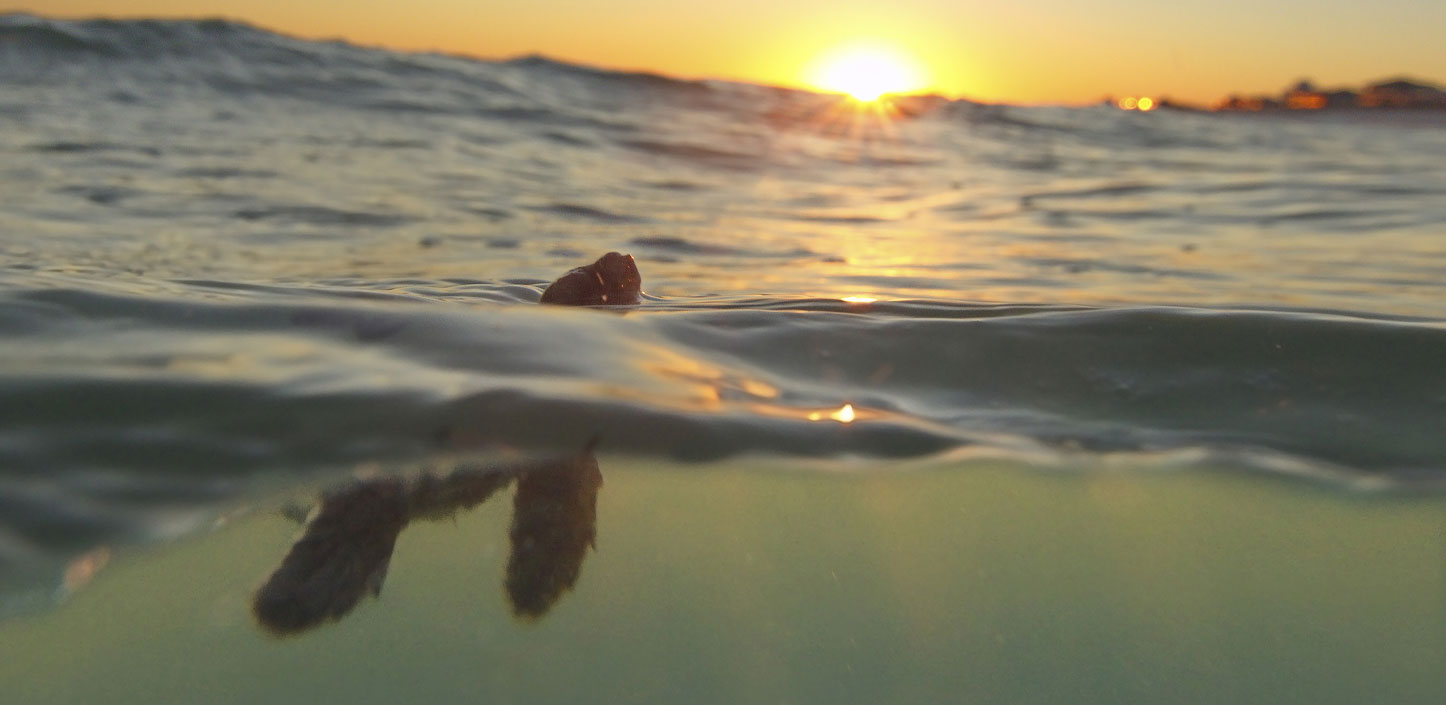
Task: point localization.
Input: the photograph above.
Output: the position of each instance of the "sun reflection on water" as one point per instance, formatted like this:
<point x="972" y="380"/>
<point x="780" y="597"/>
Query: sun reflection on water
<point x="844" y="414"/>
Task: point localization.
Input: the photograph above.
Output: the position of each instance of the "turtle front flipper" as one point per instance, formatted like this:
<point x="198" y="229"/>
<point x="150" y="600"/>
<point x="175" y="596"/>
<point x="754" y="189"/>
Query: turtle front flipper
<point x="342" y="556"/>
<point x="554" y="523"/>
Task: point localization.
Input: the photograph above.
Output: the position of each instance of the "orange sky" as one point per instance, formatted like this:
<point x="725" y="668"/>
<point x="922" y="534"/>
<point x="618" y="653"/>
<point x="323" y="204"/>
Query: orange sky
<point x="1044" y="51"/>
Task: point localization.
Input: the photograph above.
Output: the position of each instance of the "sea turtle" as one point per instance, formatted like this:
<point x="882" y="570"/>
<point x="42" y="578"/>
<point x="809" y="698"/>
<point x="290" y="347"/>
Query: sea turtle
<point x="345" y="551"/>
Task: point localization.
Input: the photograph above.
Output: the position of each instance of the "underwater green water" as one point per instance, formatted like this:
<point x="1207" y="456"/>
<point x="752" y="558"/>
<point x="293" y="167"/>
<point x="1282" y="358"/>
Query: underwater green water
<point x="755" y="583"/>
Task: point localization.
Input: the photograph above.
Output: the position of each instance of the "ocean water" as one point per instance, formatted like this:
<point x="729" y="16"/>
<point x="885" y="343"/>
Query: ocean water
<point x="925" y="400"/>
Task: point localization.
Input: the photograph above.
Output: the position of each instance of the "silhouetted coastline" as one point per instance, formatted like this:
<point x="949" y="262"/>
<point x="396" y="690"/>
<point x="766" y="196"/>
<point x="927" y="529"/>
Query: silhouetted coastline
<point x="1391" y="94"/>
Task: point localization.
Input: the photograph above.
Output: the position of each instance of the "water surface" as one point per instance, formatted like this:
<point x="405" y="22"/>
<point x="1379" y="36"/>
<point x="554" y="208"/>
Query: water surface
<point x="1031" y="403"/>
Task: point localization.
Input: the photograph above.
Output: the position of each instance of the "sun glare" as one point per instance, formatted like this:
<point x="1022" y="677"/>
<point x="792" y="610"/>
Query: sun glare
<point x="867" y="71"/>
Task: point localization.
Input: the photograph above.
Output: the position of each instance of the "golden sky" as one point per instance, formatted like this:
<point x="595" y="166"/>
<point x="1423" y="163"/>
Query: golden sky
<point x="1034" y="51"/>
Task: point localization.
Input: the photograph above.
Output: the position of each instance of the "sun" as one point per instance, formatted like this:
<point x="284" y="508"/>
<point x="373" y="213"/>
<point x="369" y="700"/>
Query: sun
<point x="867" y="70"/>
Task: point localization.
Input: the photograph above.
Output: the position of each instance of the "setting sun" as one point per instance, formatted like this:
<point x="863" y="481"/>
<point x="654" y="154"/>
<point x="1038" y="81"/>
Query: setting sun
<point x="867" y="71"/>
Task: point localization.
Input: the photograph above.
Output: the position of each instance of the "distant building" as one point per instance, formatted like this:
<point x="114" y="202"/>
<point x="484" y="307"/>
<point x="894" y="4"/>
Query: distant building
<point x="1247" y="103"/>
<point x="1304" y="95"/>
<point x="1236" y="102"/>
<point x="1400" y="93"/>
<point x="1342" y="99"/>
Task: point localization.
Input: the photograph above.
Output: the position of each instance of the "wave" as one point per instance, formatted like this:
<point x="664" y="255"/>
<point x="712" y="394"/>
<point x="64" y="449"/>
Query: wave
<point x="697" y="154"/>
<point x="682" y="377"/>
<point x="144" y="38"/>
<point x="637" y="79"/>
<point x="133" y="414"/>
<point x="321" y="215"/>
<point x="124" y="408"/>
<point x="574" y="210"/>
<point x="218" y="44"/>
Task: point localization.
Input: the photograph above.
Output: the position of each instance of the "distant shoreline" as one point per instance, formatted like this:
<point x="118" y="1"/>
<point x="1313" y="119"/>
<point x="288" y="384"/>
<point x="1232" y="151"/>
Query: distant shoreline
<point x="1390" y="94"/>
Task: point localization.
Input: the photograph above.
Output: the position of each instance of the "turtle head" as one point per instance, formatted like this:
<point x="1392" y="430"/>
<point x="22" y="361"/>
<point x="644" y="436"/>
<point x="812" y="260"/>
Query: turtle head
<point x="613" y="280"/>
<point x="620" y="279"/>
